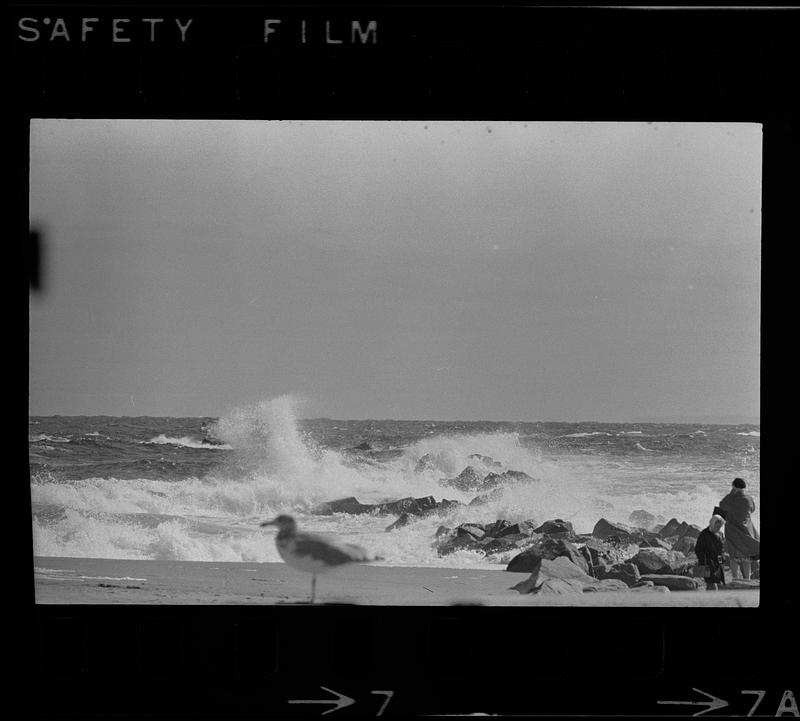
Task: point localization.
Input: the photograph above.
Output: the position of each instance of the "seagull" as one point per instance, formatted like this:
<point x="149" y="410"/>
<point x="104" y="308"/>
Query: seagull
<point x="312" y="553"/>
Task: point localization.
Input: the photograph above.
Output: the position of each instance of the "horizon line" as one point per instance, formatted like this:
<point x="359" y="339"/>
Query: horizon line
<point x="700" y="420"/>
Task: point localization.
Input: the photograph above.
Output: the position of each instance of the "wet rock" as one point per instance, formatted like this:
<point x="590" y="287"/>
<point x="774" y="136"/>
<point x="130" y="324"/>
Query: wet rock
<point x="446" y="505"/>
<point x="492" y="480"/>
<point x="485" y="498"/>
<point x="642" y="519"/>
<point x="486" y="460"/>
<point x="342" y="505"/>
<point x="403" y="520"/>
<point x="415" y="506"/>
<point x="627" y="573"/>
<point x="456" y="543"/>
<point x="496" y="529"/>
<point x="651" y="561"/>
<point x="650" y="589"/>
<point x="468" y="480"/>
<point x="472" y="529"/>
<point x="516" y="538"/>
<point x="502" y="528"/>
<point x="674" y="582"/>
<point x="517" y="477"/>
<point x="443" y="531"/>
<point x="556" y="527"/>
<point x="496" y="545"/>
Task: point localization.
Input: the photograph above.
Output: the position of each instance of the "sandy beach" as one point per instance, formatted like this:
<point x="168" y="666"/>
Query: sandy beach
<point x="61" y="580"/>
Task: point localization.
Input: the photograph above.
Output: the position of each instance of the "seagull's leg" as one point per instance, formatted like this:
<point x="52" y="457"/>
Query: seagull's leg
<point x="313" y="586"/>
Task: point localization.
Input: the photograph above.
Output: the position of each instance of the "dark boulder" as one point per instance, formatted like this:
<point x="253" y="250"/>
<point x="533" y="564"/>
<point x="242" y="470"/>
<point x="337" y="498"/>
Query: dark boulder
<point x="496" y="545"/>
<point x="415" y="506"/>
<point x="456" y="543"/>
<point x="556" y="527"/>
<point x="528" y="561"/>
<point x="342" y="505"/>
<point x="500" y="526"/>
<point x="552" y="548"/>
<point x="620" y="533"/>
<point x="471" y="529"/>
<point x="446" y="505"/>
<point x="670" y="528"/>
<point x="689" y="530"/>
<point x="517" y="477"/>
<point x="443" y="531"/>
<point x="605" y="529"/>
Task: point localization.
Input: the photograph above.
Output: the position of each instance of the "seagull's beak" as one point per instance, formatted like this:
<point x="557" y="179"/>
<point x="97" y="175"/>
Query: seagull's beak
<point x="268" y="523"/>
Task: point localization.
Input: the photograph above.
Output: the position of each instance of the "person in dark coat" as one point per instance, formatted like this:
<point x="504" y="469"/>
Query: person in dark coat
<point x="708" y="549"/>
<point x="741" y="537"/>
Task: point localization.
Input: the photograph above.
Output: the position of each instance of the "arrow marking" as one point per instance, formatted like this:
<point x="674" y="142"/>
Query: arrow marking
<point x="340" y="702"/>
<point x="713" y="704"/>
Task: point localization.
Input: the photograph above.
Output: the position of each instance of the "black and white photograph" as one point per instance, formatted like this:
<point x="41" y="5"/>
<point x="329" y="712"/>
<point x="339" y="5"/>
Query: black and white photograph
<point x="396" y="363"/>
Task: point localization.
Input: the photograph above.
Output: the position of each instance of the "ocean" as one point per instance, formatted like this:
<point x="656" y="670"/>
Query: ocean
<point x="196" y="489"/>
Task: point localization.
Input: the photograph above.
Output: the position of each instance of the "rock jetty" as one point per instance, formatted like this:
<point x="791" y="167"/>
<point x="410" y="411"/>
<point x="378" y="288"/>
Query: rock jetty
<point x="613" y="557"/>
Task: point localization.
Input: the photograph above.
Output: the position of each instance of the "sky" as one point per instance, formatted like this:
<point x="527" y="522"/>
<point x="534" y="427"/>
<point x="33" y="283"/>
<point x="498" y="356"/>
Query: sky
<point x="408" y="270"/>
